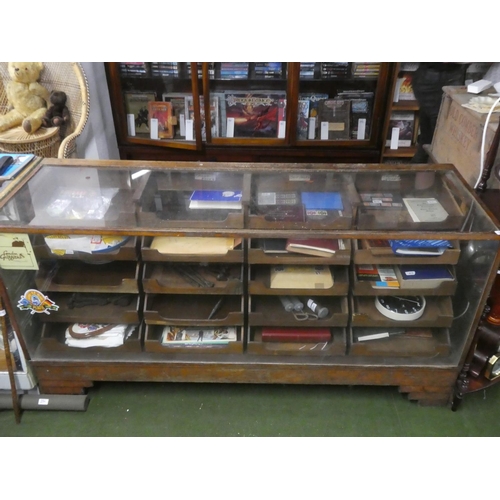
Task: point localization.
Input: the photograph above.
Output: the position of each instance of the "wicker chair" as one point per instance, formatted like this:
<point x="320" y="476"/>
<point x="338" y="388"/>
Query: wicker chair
<point x="68" y="77"/>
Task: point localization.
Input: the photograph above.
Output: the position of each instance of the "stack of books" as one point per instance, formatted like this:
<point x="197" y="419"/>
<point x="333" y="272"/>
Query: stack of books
<point x="234" y="70"/>
<point x="168" y="69"/>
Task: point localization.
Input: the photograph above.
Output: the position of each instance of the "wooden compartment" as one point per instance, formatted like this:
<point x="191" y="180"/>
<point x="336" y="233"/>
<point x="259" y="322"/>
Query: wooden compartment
<point x="120" y="214"/>
<point x="53" y="336"/>
<point x="152" y="255"/>
<point x="128" y="251"/>
<point x="77" y="276"/>
<point x="298" y="182"/>
<point x="360" y="287"/>
<point x="260" y="279"/>
<point x="152" y="343"/>
<point x="165" y="200"/>
<point x="403" y="345"/>
<point x="256" y="255"/>
<point x="385" y="255"/>
<point x="108" y="313"/>
<point x="162" y="309"/>
<point x="400" y="219"/>
<point x="336" y="346"/>
<point x="438" y="313"/>
<point x="169" y="278"/>
<point x="266" y="310"/>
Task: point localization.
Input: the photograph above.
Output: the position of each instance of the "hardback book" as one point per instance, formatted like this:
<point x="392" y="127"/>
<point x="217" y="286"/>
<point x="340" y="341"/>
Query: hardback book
<point x="314" y="246"/>
<point x="303" y="119"/>
<point x="208" y="199"/>
<point x="317" y="200"/>
<point x="425" y="209"/>
<point x="203" y="335"/>
<point x="382" y="201"/>
<point x="136" y="103"/>
<point x="301" y="276"/>
<point x="254" y="114"/>
<point x="404" y="122"/>
<point x="419" y="247"/>
<point x="417" y="272"/>
<point x="335" y="113"/>
<point x="14" y="167"/>
<point x="296" y="334"/>
<point x="178" y="101"/>
<point x="314" y="101"/>
<point x="405" y="89"/>
<point x="162" y="111"/>
<point x="361" y="102"/>
<point x="381" y="276"/>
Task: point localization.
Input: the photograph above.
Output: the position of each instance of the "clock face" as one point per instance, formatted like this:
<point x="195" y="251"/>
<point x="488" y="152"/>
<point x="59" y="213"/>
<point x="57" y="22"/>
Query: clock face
<point x="400" y="308"/>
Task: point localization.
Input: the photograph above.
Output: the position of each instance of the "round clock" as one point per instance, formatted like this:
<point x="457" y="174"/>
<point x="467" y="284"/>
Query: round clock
<point x="398" y="308"/>
<point x="492" y="370"/>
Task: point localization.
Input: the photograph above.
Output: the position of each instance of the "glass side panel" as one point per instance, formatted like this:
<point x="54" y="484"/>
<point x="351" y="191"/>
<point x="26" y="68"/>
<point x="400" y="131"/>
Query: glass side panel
<point x="336" y="100"/>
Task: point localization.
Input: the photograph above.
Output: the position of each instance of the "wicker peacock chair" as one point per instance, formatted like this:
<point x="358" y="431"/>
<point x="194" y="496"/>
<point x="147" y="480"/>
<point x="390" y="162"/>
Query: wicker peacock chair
<point x="68" y="77"/>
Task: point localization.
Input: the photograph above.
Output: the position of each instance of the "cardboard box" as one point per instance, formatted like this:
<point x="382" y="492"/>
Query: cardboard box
<point x="458" y="135"/>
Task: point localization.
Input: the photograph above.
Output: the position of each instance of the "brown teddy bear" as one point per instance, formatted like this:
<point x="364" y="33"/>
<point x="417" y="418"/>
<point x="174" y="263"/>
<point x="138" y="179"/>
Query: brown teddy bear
<point x="57" y="115"/>
<point x="27" y="98"/>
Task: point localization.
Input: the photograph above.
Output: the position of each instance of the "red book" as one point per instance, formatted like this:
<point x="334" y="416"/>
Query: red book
<point x="279" y="334"/>
<point x="313" y="246"/>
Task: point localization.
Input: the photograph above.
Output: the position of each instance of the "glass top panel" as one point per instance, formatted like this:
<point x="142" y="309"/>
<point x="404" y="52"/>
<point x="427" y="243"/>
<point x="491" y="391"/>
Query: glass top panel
<point x="83" y="195"/>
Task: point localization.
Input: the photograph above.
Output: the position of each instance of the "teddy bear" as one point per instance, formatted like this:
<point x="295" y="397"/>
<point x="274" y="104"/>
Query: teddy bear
<point x="27" y="98"/>
<point x="57" y="114"/>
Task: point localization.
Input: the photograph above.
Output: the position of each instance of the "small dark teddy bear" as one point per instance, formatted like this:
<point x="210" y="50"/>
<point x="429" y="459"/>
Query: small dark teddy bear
<point x="57" y="114"/>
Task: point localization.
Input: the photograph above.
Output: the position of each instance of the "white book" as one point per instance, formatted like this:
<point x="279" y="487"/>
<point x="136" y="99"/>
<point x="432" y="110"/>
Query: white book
<point x="425" y="209"/>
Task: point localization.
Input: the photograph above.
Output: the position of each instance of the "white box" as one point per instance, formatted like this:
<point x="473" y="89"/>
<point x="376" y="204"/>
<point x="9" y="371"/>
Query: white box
<point x="479" y="86"/>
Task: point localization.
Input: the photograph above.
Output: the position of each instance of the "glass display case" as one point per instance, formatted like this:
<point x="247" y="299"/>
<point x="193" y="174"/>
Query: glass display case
<point x="215" y="110"/>
<point x="268" y="273"/>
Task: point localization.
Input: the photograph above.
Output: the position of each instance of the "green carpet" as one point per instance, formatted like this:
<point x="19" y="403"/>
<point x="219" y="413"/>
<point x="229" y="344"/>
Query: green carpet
<point x="180" y="410"/>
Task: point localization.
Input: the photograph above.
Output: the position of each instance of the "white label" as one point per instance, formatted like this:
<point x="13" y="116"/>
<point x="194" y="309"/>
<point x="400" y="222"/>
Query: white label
<point x="361" y="129"/>
<point x="394" y="138"/>
<point x="299" y="177"/>
<point x="312" y="128"/>
<point x="324" y="131"/>
<point x="153" y="128"/>
<point x="230" y="127"/>
<point x="281" y="129"/>
<point x="182" y="124"/>
<point x="43" y="402"/>
<point x="410" y="273"/>
<point x="189" y="130"/>
<point x="131" y="125"/>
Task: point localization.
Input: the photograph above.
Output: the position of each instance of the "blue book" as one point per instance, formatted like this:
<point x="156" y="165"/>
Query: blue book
<point x="420" y="247"/>
<point x="424" y="272"/>
<point x="322" y="201"/>
<point x="207" y="199"/>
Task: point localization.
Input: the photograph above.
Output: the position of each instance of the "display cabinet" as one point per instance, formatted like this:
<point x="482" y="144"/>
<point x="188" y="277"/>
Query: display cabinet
<point x="283" y="273"/>
<point x="250" y="111"/>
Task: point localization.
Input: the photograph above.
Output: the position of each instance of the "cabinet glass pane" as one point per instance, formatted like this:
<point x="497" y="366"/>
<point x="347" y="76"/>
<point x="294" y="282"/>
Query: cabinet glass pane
<point x="249" y="99"/>
<point x="336" y="100"/>
<point x="156" y="98"/>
